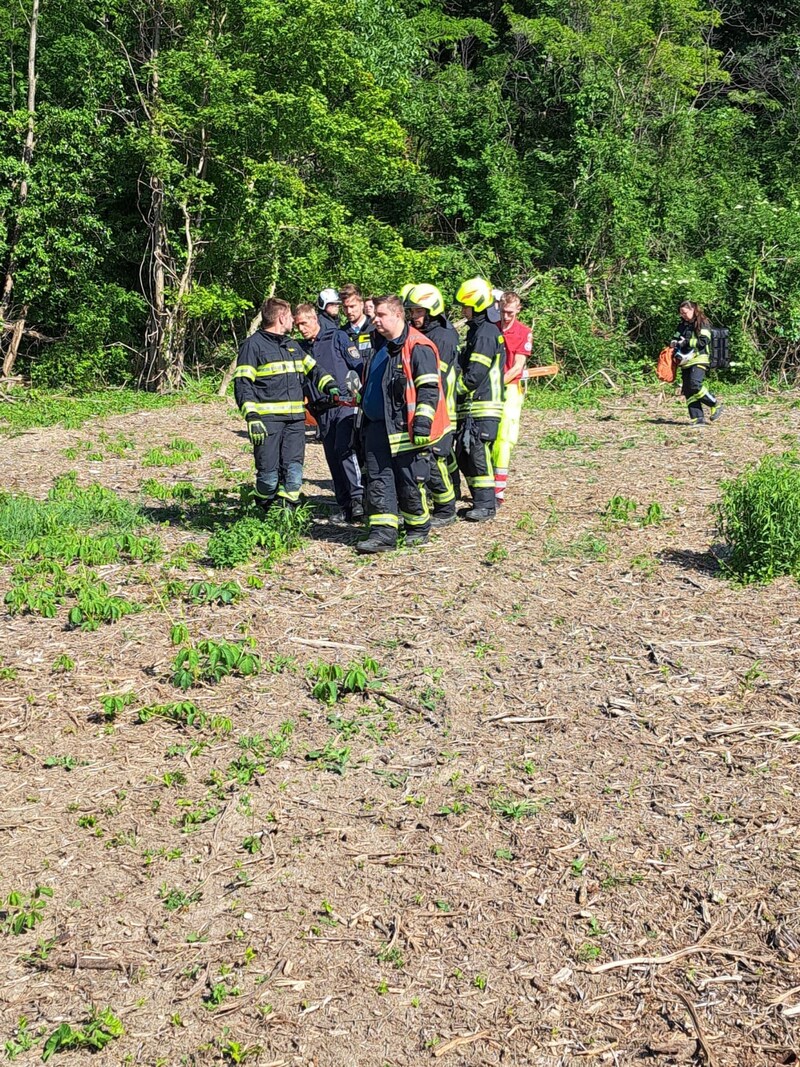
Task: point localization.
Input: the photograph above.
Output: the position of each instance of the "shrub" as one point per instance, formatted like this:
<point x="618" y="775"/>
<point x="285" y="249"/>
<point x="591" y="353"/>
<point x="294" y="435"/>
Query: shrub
<point x="279" y="533"/>
<point x="758" y="517"/>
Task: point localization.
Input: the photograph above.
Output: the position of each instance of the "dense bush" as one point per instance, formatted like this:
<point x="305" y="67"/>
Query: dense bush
<point x="759" y="519"/>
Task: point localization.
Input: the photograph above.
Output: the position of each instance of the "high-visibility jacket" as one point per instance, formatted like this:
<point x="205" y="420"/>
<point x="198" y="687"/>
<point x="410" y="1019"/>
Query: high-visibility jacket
<point x="412" y="392"/>
<point x="441" y="331"/>
<point x="269" y="375"/>
<point x="694" y="346"/>
<point x="481" y="390"/>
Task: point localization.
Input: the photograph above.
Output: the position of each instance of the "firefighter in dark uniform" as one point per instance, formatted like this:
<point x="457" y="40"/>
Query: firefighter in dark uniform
<point x="481" y="394"/>
<point x="425" y="310"/>
<point x="268" y="386"/>
<point x="331" y="353"/>
<point x="358" y="329"/>
<point x="404" y="413"/>
<point x="692" y="346"/>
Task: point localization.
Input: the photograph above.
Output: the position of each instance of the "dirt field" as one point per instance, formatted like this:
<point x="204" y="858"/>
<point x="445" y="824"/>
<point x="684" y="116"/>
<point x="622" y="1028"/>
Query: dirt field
<point x="585" y="851"/>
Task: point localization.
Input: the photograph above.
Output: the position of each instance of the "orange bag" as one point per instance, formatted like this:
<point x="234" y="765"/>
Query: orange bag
<point x="665" y="368"/>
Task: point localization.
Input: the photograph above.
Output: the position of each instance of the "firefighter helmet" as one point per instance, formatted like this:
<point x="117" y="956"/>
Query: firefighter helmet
<point x="405" y="290"/>
<point x="327" y="296"/>
<point x="425" y="296"/>
<point x="475" y="293"/>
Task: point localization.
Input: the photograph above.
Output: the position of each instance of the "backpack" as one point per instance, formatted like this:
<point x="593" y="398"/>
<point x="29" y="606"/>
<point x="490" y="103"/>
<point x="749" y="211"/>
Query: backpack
<point x="720" y="358"/>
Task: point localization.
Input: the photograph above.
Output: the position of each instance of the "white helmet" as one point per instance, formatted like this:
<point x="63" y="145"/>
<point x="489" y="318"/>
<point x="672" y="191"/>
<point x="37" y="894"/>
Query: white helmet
<point x="327" y="296"/>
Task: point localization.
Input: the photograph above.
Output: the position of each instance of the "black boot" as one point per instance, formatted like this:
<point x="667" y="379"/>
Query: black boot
<point x="479" y="515"/>
<point x="378" y="541"/>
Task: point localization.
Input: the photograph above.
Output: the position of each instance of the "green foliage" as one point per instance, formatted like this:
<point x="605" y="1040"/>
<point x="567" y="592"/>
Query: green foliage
<point x="210" y="661"/>
<point x="178" y="451"/>
<point x="213" y="593"/>
<point x="332" y="683"/>
<point x="619" y="509"/>
<point x="21" y="912"/>
<point x="331" y="757"/>
<point x="99" y="1030"/>
<point x="558" y="440"/>
<point x="22" y="1041"/>
<point x="185" y="713"/>
<point x="758" y="518"/>
<point x="278" y="534"/>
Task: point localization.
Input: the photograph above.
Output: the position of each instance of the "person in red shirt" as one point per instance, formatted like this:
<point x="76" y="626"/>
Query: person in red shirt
<point x="518" y="341"/>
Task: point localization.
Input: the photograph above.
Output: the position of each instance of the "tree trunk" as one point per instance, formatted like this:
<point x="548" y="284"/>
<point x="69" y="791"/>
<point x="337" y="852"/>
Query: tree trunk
<point x="27" y="157"/>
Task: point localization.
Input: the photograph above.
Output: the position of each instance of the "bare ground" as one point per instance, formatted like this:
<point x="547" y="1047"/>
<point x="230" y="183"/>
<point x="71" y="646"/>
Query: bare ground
<point x="643" y="907"/>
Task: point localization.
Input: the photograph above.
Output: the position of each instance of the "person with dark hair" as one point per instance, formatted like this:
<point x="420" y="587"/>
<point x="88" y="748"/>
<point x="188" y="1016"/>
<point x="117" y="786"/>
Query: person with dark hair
<point x="268" y="386"/>
<point x="404" y="414"/>
<point x="335" y="421"/>
<point x="692" y="347"/>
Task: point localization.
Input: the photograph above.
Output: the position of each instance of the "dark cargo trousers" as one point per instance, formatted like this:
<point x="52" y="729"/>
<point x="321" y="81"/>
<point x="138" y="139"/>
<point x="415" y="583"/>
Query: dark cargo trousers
<point x="441" y="486"/>
<point x="395" y="485"/>
<point x="279" y="461"/>
<point x="696" y="392"/>
<point x="337" y="441"/>
<point x="474" y="455"/>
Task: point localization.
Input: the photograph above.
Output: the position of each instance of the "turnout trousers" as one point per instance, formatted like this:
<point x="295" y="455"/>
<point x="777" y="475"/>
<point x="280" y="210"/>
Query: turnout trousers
<point x="507" y="436"/>
<point x="279" y="461"/>
<point x="395" y="485"/>
<point x="474" y="454"/>
<point x="697" y="393"/>
<point x="337" y="441"/>
<point x="440" y="485"/>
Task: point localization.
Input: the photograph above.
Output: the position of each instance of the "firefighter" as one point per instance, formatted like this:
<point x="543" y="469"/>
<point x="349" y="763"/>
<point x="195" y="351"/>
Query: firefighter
<point x="268" y="386"/>
<point x="425" y="310"/>
<point x="328" y="304"/>
<point x="481" y="394"/>
<point x="404" y="413"/>
<point x="331" y="352"/>
<point x="517" y="339"/>
<point x="692" y="345"/>
<point x="358" y="328"/>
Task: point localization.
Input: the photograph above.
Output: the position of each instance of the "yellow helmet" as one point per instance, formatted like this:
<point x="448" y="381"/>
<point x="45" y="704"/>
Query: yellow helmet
<point x="406" y="290"/>
<point x="475" y="293"/>
<point x="425" y="296"/>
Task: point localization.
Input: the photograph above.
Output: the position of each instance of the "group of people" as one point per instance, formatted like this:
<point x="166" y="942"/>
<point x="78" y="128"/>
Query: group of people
<point x="403" y="408"/>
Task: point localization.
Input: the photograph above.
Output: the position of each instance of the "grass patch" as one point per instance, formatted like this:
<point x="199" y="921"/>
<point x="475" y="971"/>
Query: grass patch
<point x="559" y="440"/>
<point x="586" y="547"/>
<point x="178" y="451"/>
<point x="26" y="409"/>
<point x="758" y="518"/>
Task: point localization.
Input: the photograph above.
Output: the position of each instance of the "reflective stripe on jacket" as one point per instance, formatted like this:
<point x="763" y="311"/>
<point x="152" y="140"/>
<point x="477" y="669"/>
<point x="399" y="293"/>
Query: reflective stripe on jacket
<point x="269" y="375"/>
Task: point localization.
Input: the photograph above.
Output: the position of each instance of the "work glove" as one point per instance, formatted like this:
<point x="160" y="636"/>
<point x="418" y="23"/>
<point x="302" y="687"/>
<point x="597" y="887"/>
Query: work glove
<point x="256" y="431"/>
<point x="422" y="431"/>
<point x="332" y="391"/>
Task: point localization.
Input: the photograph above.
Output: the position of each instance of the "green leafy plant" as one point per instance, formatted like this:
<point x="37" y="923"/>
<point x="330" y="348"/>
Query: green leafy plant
<point x="185" y="713"/>
<point x="331" y="682"/>
<point x="210" y="661"/>
<point x="653" y="516"/>
<point x="515" y="810"/>
<point x="214" y="593"/>
<point x="114" y="703"/>
<point x="21" y="1041"/>
<point x="559" y="440"/>
<point x="21" y="912"/>
<point x="99" y="1030"/>
<point x="332" y="758"/>
<point x="619" y="509"/>
<point x="176" y="899"/>
<point x="178" y="451"/>
<point x="279" y="534"/>
<point x="758" y="518"/>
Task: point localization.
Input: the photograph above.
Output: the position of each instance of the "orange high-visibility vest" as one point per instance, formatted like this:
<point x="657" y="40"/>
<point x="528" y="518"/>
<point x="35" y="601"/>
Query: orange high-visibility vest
<point x="441" y="420"/>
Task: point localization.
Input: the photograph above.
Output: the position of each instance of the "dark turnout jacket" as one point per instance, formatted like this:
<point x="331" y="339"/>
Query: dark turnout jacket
<point x="269" y="376"/>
